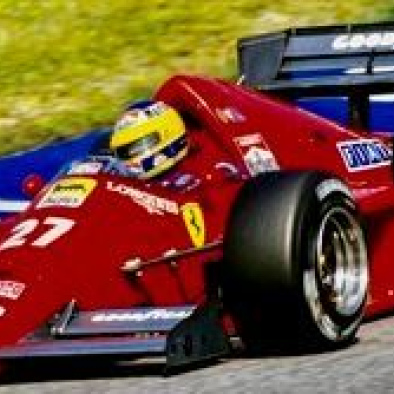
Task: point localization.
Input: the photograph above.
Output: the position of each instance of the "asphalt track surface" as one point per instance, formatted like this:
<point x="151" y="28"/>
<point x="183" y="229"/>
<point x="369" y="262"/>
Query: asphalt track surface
<point x="366" y="367"/>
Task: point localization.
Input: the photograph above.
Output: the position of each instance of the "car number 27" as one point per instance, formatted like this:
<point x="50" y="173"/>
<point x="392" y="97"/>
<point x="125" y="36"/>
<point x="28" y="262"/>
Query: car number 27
<point x="23" y="233"/>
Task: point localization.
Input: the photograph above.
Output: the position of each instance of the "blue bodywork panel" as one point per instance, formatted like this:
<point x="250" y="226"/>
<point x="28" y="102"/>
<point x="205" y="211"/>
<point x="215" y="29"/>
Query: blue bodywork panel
<point x="46" y="161"/>
<point x="336" y="108"/>
<point x="381" y="111"/>
<point x="333" y="108"/>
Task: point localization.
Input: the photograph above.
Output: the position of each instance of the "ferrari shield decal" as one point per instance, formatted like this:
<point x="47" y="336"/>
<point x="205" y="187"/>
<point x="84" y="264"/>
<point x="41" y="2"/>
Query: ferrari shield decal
<point x="70" y="193"/>
<point x="194" y="221"/>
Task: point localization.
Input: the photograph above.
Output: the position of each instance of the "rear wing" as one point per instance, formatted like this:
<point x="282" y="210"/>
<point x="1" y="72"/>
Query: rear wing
<point x="349" y="60"/>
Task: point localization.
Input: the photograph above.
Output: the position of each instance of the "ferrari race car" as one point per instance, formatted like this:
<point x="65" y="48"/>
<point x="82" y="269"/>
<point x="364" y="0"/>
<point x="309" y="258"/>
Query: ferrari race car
<point x="277" y="225"/>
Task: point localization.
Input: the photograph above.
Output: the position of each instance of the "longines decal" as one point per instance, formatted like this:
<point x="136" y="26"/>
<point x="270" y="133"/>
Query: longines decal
<point x="152" y="203"/>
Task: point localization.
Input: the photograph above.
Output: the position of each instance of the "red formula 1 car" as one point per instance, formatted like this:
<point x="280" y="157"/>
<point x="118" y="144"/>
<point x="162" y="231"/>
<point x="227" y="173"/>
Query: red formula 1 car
<point x="277" y="224"/>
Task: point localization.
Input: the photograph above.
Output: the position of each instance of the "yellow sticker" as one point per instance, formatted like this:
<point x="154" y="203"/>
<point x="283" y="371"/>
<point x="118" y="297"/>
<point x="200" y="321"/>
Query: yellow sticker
<point x="194" y="220"/>
<point x="69" y="192"/>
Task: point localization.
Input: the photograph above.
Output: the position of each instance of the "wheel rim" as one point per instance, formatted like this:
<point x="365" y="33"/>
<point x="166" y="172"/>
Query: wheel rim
<point x="336" y="286"/>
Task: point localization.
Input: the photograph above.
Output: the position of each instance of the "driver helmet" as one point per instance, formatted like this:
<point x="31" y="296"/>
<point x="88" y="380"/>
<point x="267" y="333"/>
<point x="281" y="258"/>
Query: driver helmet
<point x="150" y="137"/>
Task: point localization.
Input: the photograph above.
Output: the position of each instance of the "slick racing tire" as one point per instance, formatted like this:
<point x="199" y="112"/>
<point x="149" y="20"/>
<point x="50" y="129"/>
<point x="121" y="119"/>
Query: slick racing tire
<point x="295" y="266"/>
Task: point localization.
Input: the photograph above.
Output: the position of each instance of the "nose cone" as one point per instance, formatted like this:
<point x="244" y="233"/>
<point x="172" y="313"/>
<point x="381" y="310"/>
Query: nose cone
<point x="109" y="221"/>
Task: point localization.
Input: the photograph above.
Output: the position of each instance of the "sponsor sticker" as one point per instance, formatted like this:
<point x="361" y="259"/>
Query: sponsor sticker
<point x="90" y="168"/>
<point x="155" y="314"/>
<point x="369" y="191"/>
<point x="194" y="220"/>
<point x="68" y="193"/>
<point x="11" y="289"/>
<point x="260" y="160"/>
<point x="230" y="115"/>
<point x="364" y="154"/>
<point x="256" y="153"/>
<point x="153" y="204"/>
<point x="249" y="140"/>
<point x="370" y="40"/>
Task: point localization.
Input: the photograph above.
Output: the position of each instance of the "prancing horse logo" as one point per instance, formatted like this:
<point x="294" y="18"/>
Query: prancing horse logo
<point x="194" y="221"/>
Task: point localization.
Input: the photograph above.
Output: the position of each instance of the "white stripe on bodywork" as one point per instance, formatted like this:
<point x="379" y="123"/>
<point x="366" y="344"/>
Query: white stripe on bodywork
<point x="13" y="205"/>
<point x="384" y="97"/>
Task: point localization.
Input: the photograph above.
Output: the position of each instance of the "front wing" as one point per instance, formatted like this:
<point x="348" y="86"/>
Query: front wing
<point x="182" y="334"/>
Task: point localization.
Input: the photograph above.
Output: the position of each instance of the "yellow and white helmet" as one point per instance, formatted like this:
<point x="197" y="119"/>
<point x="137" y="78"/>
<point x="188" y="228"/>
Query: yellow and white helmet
<point x="150" y="137"/>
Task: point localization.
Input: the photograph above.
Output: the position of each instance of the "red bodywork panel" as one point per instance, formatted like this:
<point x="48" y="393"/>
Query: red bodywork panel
<point x="56" y="253"/>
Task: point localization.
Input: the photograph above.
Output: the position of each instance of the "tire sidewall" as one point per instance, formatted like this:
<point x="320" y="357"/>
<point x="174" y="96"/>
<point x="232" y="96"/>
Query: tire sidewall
<point x="328" y="193"/>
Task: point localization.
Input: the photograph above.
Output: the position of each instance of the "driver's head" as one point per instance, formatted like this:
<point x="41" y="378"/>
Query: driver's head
<point x="150" y="137"/>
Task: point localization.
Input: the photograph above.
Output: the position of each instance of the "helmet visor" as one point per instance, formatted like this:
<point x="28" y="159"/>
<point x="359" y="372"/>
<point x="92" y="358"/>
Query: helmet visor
<point x="138" y="147"/>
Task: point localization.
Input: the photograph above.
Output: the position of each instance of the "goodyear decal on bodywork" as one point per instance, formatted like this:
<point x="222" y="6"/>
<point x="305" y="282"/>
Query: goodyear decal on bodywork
<point x="142" y="316"/>
<point x="194" y="221"/>
<point x="69" y="193"/>
<point x="364" y="154"/>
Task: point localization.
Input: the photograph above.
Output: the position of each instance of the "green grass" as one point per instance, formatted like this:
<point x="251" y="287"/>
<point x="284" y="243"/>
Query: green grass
<point x="67" y="65"/>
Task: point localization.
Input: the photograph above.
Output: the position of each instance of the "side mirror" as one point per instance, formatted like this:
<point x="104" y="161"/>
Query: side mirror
<point x="32" y="185"/>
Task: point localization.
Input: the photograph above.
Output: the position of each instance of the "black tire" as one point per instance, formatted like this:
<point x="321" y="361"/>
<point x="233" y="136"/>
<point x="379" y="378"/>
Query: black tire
<point x="295" y="263"/>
